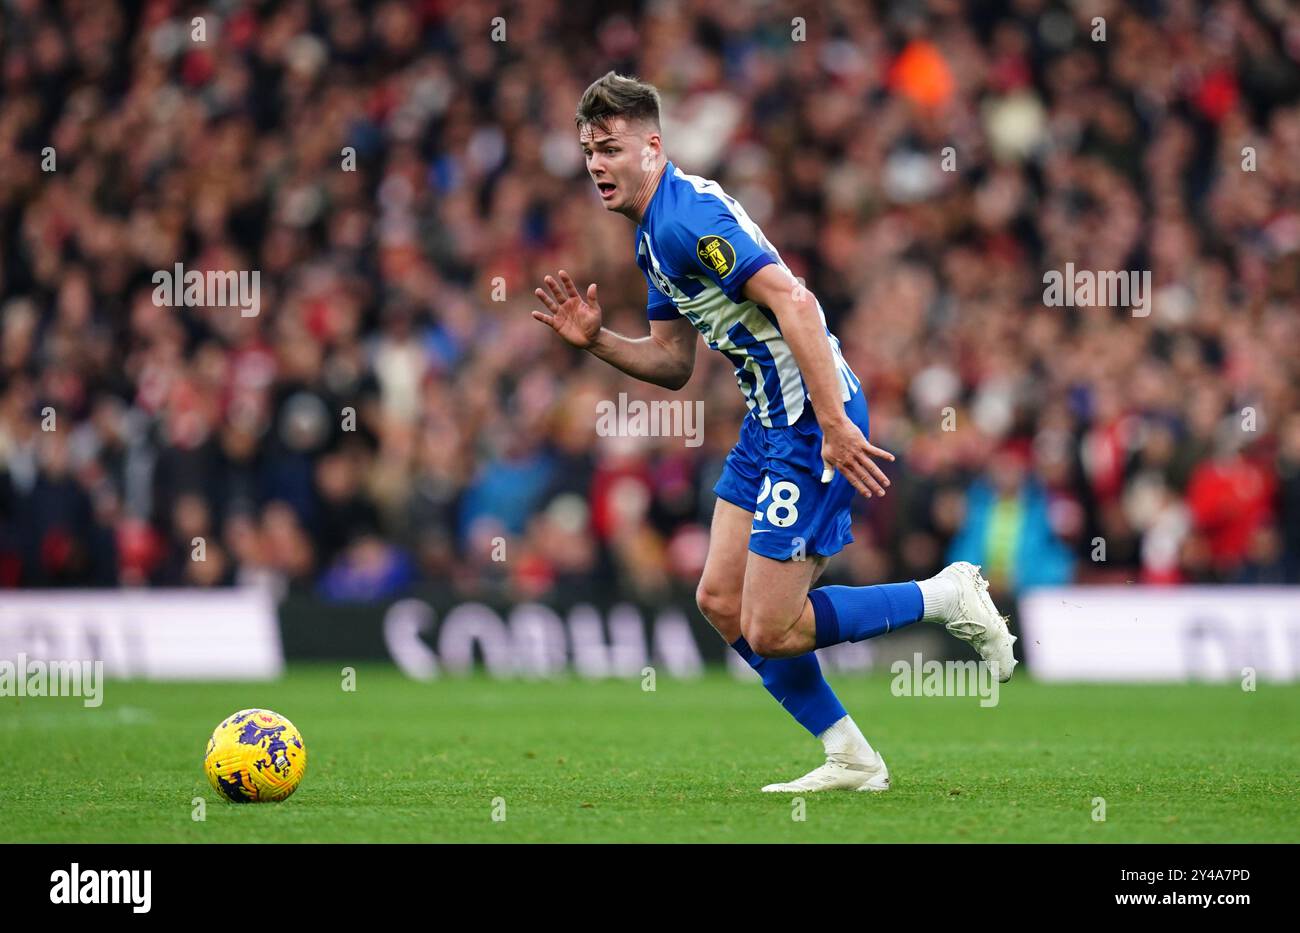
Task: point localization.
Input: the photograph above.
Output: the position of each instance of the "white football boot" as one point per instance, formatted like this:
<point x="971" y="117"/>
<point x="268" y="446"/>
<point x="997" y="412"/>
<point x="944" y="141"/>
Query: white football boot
<point x="840" y="772"/>
<point x="976" y="620"/>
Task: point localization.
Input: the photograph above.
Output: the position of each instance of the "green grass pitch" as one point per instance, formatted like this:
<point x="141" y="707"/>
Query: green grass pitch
<point x="402" y="761"/>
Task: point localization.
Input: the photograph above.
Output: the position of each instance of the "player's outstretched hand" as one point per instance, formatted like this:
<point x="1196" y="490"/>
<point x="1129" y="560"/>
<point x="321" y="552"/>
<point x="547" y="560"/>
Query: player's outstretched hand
<point x="844" y="448"/>
<point x="567" y="313"/>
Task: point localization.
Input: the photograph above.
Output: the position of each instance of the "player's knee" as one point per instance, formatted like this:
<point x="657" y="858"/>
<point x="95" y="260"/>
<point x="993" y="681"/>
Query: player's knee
<point x="765" y="642"/>
<point x="720" y="608"/>
<point x="763" y="629"/>
<point x="769" y="627"/>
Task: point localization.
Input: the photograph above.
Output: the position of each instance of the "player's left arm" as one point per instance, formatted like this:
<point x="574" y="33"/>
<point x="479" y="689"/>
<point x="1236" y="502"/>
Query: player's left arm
<point x="844" y="448"/>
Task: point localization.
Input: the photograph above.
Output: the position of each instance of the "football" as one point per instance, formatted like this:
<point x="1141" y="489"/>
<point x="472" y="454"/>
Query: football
<point x="255" y="756"/>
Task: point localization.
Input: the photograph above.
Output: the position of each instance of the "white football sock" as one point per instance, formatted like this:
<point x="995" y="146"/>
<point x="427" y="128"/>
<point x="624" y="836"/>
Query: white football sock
<point x="939" y="596"/>
<point x="846" y="739"/>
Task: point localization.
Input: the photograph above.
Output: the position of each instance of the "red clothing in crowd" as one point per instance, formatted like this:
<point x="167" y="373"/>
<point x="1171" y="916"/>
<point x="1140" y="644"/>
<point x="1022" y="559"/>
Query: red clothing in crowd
<point x="1229" y="500"/>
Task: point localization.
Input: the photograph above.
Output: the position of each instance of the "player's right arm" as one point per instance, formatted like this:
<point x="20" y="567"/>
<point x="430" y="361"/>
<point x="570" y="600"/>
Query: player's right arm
<point x="665" y="358"/>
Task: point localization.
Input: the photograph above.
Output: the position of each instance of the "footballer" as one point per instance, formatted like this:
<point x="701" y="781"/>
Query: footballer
<point x="785" y="490"/>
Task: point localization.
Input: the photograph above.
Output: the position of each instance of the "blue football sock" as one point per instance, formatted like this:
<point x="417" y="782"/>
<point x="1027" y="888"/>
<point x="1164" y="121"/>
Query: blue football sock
<point x="854" y="613"/>
<point x="798" y="685"/>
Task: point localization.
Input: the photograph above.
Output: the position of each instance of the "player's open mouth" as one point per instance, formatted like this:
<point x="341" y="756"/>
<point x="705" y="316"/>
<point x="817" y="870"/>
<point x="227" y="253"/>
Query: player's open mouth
<point x="607" y="189"/>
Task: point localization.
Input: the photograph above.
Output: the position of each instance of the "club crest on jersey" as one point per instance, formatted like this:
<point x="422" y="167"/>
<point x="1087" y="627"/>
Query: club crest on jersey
<point x="716" y="254"/>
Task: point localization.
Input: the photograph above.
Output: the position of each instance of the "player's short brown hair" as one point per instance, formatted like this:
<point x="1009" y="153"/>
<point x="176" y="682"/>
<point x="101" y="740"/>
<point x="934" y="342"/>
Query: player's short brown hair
<point x="616" y="95"/>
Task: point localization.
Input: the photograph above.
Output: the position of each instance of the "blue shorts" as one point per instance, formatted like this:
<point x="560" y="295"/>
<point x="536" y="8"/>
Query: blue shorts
<point x="776" y="473"/>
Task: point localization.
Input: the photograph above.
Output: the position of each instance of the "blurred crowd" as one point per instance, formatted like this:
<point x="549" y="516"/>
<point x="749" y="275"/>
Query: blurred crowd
<point x="402" y="175"/>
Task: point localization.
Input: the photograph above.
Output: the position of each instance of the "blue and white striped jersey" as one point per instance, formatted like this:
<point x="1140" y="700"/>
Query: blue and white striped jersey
<point x="697" y="247"/>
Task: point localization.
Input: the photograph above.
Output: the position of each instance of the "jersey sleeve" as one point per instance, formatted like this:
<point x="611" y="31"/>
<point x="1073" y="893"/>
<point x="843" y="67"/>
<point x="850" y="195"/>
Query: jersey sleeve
<point x="710" y="239"/>
<point x="658" y="307"/>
